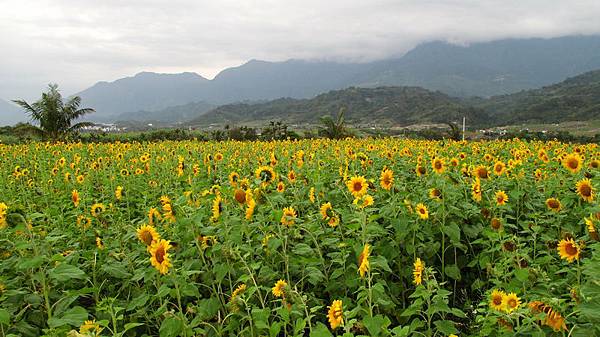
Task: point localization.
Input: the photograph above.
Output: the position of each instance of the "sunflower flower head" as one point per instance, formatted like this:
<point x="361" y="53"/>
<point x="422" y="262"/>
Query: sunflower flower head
<point x="418" y="269"/>
<point x="335" y="315"/>
<point x="357" y="186"/>
<point x="147" y="234"/>
<point x="496" y="298"/>
<point x="363" y="260"/>
<point x="159" y="256"/>
<point x="568" y="250"/>
<point x="278" y="289"/>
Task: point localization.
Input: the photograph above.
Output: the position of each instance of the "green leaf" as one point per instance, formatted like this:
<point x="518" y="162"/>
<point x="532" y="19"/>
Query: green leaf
<point x="376" y="324"/>
<point x="320" y="331"/>
<point x="170" y="327"/>
<point x="31" y="263"/>
<point x="65" y="272"/>
<point x="446" y="327"/>
<point x="522" y="274"/>
<point x="453" y="232"/>
<point x="4" y="317"/>
<point x="74" y="317"/>
<point x="452" y="271"/>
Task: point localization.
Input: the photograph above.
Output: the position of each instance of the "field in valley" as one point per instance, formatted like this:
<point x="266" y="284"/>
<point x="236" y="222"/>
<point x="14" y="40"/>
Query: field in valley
<point x="356" y="237"/>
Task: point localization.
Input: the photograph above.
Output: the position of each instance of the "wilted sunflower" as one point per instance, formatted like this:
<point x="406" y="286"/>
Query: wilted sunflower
<point x="160" y="256"/>
<point x="75" y="198"/>
<point x="289" y="216"/>
<point x="335" y="315"/>
<point x="387" y="179"/>
<point x="438" y="165"/>
<point x="510" y="302"/>
<point x="572" y="162"/>
<point x="435" y="194"/>
<point x="553" y="318"/>
<point x="481" y="172"/>
<point x="568" y="250"/>
<point x="496" y="224"/>
<point x="585" y="190"/>
<point x="496" y="298"/>
<point x="553" y="204"/>
<point x="420" y="170"/>
<point x="97" y="209"/>
<point x="422" y="211"/>
<point x="235" y="295"/>
<point x="418" y="269"/>
<point x="279" y="289"/>
<point x="217" y="208"/>
<point x="357" y="185"/>
<point x="591" y="227"/>
<point x="239" y="195"/>
<point x="501" y="198"/>
<point x="363" y="260"/>
<point x="148" y="234"/>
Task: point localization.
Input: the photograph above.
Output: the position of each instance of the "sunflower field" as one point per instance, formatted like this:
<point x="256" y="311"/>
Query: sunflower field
<point x="355" y="237"/>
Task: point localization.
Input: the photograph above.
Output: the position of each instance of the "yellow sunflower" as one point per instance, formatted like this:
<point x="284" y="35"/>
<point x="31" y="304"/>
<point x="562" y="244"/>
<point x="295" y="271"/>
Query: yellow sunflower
<point x="311" y="195"/>
<point x="568" y="250"/>
<point x="585" y="190"/>
<point x="335" y="314"/>
<point x="499" y="168"/>
<point x="553" y="318"/>
<point x="279" y="289"/>
<point x="481" y="172"/>
<point x="572" y="162"/>
<point x="240" y="196"/>
<point x="119" y="192"/>
<point x="510" y="302"/>
<point x="387" y="179"/>
<point x="326" y="211"/>
<point x="419" y="267"/>
<point x="357" y="185"/>
<point x="553" y="204"/>
<point x="422" y="211"/>
<point x="280" y="187"/>
<point x="476" y="190"/>
<point x="266" y="174"/>
<point x="501" y="198"/>
<point x="97" y="209"/>
<point x="363" y="260"/>
<point x="160" y="256"/>
<point x="289" y="216"/>
<point x="438" y="165"/>
<point x="217" y="208"/>
<point x="420" y="170"/>
<point x="496" y="300"/>
<point x="148" y="234"/>
<point x="233" y="178"/>
<point x="90" y="328"/>
<point x="435" y="194"/>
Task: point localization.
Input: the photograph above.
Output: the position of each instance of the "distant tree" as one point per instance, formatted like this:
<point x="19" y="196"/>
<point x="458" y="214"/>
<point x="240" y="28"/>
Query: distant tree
<point x="454" y="133"/>
<point x="277" y="131"/>
<point x="53" y="115"/>
<point x="334" y="129"/>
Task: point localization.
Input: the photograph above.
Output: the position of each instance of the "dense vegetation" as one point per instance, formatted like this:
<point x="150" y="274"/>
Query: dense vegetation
<point x="355" y="237"/>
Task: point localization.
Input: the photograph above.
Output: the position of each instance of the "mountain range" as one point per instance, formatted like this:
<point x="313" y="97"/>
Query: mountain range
<point x="480" y="69"/>
<point x="576" y="98"/>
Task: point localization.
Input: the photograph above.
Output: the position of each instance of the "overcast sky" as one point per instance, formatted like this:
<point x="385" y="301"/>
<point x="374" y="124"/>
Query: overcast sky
<point x="77" y="43"/>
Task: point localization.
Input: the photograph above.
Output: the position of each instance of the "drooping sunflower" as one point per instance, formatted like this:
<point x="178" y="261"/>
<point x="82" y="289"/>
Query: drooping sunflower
<point x="363" y="260"/>
<point x="119" y="192"/>
<point x="420" y="170"/>
<point x="364" y="201"/>
<point x="148" y="234"/>
<point x="240" y="196"/>
<point x="591" y="227"/>
<point x="75" y="198"/>
<point x="422" y="211"/>
<point x="510" y="302"/>
<point x="159" y="256"/>
<point x="438" y="165"/>
<point x="553" y="204"/>
<point x="496" y="224"/>
<point x="585" y="190"/>
<point x="292" y="176"/>
<point x="153" y="215"/>
<point x="572" y="162"/>
<point x="97" y="209"/>
<point x="499" y="168"/>
<point x="501" y="198"/>
<point x="3" y="209"/>
<point x="266" y="174"/>
<point x="418" y="269"/>
<point x="326" y="211"/>
<point x="311" y="195"/>
<point x="553" y="318"/>
<point x="335" y="315"/>
<point x="289" y="216"/>
<point x="235" y="296"/>
<point x="357" y="185"/>
<point x="476" y="190"/>
<point x="496" y="298"/>
<point x="568" y="250"/>
<point x="217" y="208"/>
<point x="279" y="289"/>
<point x="387" y="179"/>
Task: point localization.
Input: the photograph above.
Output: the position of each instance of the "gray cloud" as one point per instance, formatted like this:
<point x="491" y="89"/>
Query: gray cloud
<point x="77" y="43"/>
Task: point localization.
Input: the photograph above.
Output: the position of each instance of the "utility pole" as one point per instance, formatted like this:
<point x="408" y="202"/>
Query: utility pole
<point x="464" y="120"/>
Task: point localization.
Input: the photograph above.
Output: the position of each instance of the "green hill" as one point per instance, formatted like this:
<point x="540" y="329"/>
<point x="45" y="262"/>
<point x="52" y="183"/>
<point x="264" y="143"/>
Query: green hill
<point x="383" y="105"/>
<point x="575" y="99"/>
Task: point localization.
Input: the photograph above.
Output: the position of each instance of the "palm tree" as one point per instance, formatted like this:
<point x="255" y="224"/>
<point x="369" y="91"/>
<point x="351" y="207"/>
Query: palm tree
<point x="53" y="115"/>
<point x="334" y="129"/>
